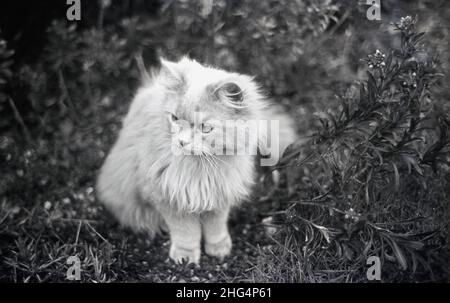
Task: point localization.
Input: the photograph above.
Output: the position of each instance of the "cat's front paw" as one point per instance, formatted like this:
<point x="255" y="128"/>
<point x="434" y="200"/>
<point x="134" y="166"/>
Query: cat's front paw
<point x="220" y="249"/>
<point x="181" y="254"/>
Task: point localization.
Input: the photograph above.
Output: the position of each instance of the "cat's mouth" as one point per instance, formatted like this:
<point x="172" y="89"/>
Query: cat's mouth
<point x="189" y="149"/>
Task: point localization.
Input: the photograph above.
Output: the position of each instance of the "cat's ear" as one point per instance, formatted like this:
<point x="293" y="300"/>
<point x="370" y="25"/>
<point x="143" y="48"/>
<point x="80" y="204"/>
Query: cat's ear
<point x="231" y="92"/>
<point x="171" y="75"/>
<point x="170" y="69"/>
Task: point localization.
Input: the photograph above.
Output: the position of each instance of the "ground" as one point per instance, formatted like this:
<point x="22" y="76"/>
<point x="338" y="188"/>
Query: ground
<point x="49" y="212"/>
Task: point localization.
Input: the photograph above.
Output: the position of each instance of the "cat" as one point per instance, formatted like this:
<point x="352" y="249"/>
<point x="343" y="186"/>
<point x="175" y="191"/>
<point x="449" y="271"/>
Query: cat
<point x="163" y="172"/>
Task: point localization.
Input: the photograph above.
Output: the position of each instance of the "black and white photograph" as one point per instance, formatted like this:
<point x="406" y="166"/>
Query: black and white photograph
<point x="224" y="142"/>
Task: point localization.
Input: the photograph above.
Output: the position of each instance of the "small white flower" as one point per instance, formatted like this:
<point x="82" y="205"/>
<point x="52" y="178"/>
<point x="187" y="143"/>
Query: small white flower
<point x="47" y="205"/>
<point x="89" y="190"/>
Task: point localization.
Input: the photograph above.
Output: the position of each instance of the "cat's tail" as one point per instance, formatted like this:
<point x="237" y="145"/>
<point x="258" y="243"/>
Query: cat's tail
<point x="286" y="132"/>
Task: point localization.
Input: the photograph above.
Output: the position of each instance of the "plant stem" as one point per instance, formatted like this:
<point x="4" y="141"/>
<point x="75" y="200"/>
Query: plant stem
<point x="19" y="119"/>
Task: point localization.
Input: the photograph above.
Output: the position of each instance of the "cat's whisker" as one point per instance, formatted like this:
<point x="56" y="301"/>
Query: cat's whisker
<point x="219" y="159"/>
<point x="203" y="161"/>
<point x="211" y="160"/>
<point x="216" y="159"/>
<point x="204" y="164"/>
<point x="211" y="163"/>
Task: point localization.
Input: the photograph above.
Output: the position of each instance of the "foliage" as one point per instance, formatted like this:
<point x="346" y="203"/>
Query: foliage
<point x="371" y="181"/>
<point x="373" y="176"/>
<point x="5" y="70"/>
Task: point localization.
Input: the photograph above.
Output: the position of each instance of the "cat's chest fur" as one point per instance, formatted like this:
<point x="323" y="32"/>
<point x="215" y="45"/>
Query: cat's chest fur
<point x="194" y="184"/>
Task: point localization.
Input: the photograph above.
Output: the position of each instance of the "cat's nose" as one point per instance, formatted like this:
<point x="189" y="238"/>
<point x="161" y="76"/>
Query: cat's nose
<point x="184" y="137"/>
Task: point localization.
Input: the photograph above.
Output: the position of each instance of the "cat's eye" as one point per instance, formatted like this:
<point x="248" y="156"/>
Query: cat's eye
<point x="206" y="128"/>
<point x="173" y="117"/>
<point x="233" y="92"/>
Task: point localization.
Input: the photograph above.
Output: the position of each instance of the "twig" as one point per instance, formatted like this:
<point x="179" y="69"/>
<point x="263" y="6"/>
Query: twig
<point x="78" y="232"/>
<point x="97" y="233"/>
<point x="19" y="119"/>
<point x="65" y="90"/>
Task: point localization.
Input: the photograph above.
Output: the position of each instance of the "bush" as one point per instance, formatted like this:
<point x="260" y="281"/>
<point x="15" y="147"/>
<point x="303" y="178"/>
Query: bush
<point x="371" y="184"/>
<point x="5" y="72"/>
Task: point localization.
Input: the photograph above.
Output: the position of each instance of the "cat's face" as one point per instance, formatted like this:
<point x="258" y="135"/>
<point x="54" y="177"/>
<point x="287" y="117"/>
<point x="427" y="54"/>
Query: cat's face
<point x="209" y="111"/>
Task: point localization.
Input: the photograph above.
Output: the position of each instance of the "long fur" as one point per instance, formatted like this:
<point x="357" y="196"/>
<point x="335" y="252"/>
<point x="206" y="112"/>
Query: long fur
<point x="141" y="171"/>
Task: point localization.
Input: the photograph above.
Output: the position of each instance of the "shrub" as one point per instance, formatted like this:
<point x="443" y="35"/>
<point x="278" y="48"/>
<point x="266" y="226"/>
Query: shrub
<point x="373" y="180"/>
<point x="5" y="74"/>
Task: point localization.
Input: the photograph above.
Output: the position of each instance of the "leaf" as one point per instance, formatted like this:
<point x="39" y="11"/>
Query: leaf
<point x="324" y="231"/>
<point x="411" y="162"/>
<point x="399" y="255"/>
<point x="414" y="261"/>
<point x="397" y="177"/>
<point x="418" y="37"/>
<point x="389" y="60"/>
<point x="348" y="253"/>
<point x="345" y="109"/>
<point x="372" y="87"/>
<point x="391" y="139"/>
<point x="367" y="247"/>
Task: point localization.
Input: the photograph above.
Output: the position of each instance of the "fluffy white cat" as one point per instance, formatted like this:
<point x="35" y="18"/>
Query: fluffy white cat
<point x="165" y="169"/>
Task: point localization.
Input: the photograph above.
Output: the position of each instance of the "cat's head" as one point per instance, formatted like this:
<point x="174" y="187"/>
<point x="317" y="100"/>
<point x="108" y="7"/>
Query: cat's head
<point x="209" y="111"/>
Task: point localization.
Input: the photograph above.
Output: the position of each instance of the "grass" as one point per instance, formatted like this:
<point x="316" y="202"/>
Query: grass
<point x="65" y="113"/>
<point x="48" y="212"/>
